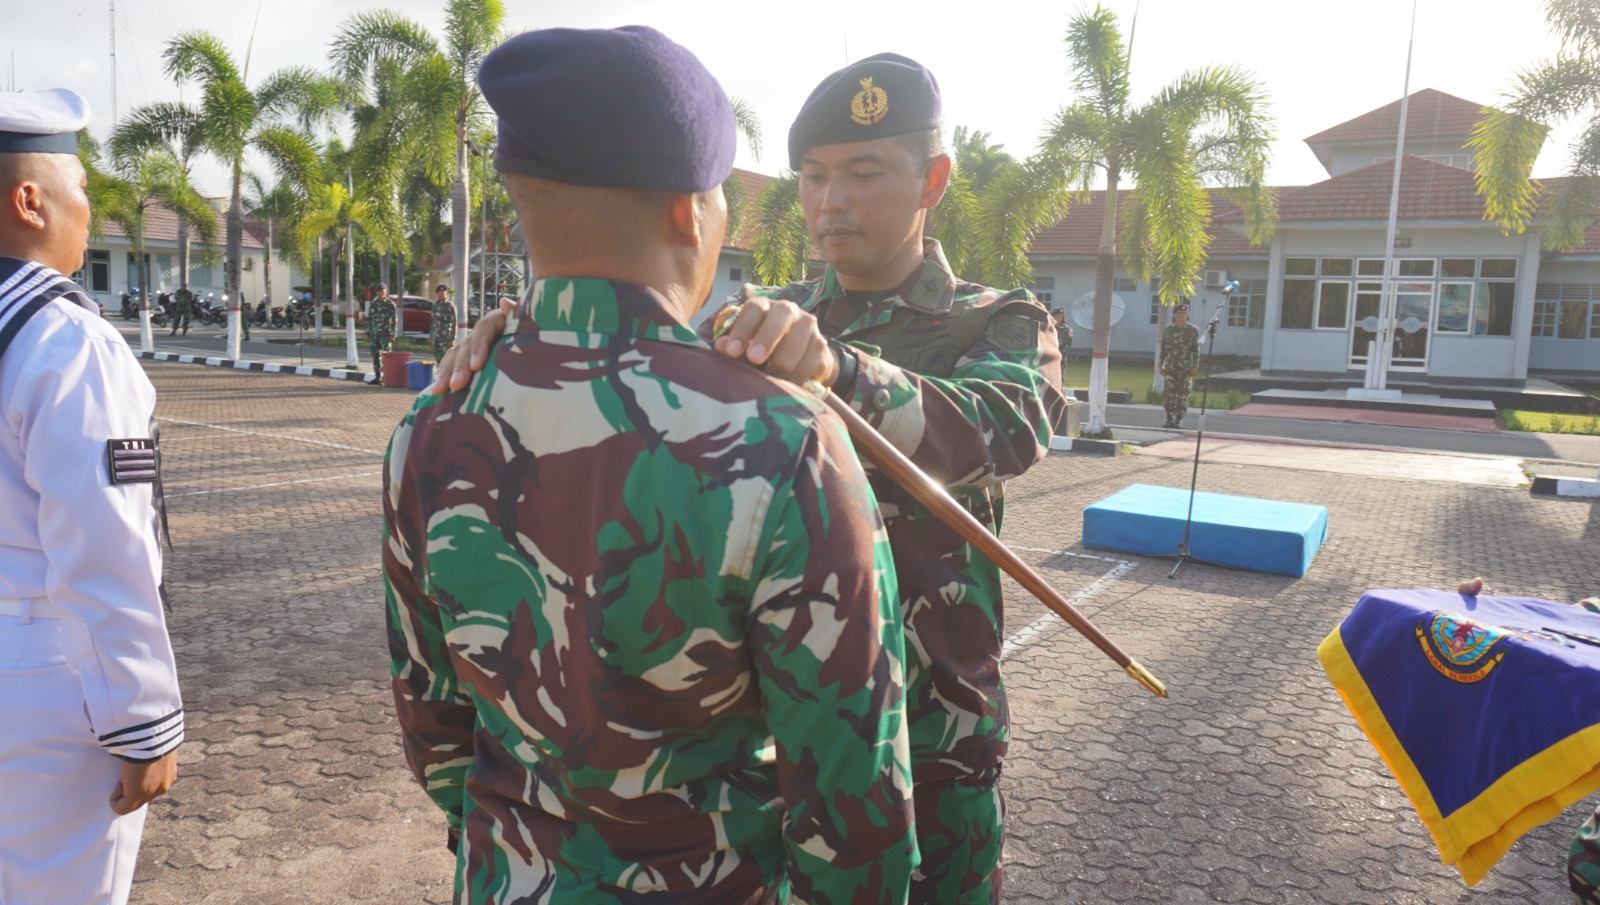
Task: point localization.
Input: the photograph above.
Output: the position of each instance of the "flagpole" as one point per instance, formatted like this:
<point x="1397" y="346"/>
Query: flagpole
<point x="1378" y="363"/>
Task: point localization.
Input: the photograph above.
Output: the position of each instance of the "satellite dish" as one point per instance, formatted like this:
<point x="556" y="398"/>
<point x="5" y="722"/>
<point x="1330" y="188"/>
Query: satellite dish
<point x="1082" y="311"/>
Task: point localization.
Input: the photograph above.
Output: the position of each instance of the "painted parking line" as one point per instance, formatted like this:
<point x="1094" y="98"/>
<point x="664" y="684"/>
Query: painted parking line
<point x="1031" y="632"/>
<point x="240" y="430"/>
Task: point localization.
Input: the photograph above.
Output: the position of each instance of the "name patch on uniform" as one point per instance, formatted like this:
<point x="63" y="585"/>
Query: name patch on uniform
<point x="1017" y="332"/>
<point x="131" y="461"/>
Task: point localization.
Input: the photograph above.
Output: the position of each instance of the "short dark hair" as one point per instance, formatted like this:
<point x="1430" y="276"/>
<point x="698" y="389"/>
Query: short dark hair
<point x="922" y="146"/>
<point x="441" y="288"/>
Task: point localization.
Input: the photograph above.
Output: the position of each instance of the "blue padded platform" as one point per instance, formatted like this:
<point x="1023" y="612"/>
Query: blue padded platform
<point x="1245" y="533"/>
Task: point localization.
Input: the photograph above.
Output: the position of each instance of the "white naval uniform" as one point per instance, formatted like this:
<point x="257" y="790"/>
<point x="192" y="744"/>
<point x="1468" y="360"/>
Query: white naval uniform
<point x="86" y="669"/>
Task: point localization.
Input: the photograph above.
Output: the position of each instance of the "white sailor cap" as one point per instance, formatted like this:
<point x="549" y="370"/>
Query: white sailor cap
<point x="41" y="122"/>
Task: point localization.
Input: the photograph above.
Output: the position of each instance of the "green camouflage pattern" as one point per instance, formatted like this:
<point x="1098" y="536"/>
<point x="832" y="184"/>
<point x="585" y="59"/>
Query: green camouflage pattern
<point x="1180" y="349"/>
<point x="1583" y="862"/>
<point x="382" y="319"/>
<point x="443" y="327"/>
<point x="183" y="308"/>
<point x="642" y="623"/>
<point x="966" y="381"/>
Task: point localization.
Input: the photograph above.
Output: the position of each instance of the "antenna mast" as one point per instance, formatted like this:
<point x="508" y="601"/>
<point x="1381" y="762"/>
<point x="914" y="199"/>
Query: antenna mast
<point x="114" y="113"/>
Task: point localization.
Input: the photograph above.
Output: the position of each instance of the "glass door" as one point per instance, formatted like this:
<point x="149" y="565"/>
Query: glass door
<point x="1414" y="303"/>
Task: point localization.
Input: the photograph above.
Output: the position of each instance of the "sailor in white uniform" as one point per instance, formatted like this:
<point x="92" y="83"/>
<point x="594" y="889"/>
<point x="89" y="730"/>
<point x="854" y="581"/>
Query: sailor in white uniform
<point x="89" y="710"/>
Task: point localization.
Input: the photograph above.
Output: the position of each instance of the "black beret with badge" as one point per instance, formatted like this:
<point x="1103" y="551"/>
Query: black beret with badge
<point x="878" y="97"/>
<point x="614" y="108"/>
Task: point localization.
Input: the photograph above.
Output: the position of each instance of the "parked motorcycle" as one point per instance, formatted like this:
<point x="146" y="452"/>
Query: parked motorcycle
<point x="130" y="305"/>
<point x="158" y="311"/>
<point x="208" y="314"/>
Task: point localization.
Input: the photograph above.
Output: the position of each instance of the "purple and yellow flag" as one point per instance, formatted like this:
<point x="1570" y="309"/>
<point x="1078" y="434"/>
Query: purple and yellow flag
<point x="1486" y="709"/>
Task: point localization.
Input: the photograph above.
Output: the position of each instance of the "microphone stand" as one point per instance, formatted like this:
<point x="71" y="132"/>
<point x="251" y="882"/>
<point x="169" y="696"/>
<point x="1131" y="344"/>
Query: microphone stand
<point x="1184" y="554"/>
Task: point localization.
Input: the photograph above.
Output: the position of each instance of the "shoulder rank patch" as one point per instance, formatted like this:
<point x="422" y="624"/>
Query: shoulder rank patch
<point x="131" y="461"/>
<point x="1017" y="332"/>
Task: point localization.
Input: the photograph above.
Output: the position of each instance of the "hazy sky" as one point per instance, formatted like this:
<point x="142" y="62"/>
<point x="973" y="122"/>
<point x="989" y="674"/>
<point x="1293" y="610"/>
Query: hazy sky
<point x="1000" y="63"/>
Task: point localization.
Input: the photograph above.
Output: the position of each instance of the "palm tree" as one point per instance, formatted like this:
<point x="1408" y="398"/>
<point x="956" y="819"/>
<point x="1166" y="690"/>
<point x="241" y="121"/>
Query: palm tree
<point x="1210" y="127"/>
<point x="334" y="206"/>
<point x="238" y="119"/>
<point x="177" y="127"/>
<point x="274" y="205"/>
<point x="1507" y="140"/>
<point x="138" y="183"/>
<point x="436" y="95"/>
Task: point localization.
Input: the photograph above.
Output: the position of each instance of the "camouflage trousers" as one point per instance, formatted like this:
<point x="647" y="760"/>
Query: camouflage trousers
<point x="378" y="345"/>
<point x="1583" y="862"/>
<point x="1176" y="401"/>
<point x="960" y="829"/>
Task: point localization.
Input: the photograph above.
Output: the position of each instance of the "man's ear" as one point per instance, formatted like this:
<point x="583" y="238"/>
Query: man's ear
<point x="935" y="179"/>
<point x="25" y="201"/>
<point x="687" y="219"/>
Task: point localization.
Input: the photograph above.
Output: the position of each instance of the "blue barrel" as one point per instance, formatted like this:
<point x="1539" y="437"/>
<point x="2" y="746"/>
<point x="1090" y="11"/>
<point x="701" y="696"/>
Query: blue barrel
<point x="419" y="374"/>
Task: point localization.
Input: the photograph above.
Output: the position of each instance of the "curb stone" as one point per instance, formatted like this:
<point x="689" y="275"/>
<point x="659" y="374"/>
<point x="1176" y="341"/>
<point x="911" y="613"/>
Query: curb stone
<point x="267" y="366"/>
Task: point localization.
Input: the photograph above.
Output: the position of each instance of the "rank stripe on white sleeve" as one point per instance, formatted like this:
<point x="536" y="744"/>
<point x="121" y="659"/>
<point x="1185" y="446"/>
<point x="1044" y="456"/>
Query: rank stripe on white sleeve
<point x="146" y="741"/>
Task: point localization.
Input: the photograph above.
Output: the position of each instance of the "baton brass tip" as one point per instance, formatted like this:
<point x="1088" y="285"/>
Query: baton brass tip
<point x="1156" y="686"/>
<point x="724" y="320"/>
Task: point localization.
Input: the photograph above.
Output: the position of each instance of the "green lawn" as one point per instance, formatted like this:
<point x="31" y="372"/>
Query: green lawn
<point x="1134" y="380"/>
<point x="1547" y="423"/>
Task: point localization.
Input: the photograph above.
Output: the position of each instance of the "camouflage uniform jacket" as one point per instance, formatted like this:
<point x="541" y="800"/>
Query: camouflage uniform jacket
<point x="642" y="622"/>
<point x="183" y="303"/>
<point x="1180" y="349"/>
<point x="382" y="318"/>
<point x="966" y="381"/>
<point x="443" y="328"/>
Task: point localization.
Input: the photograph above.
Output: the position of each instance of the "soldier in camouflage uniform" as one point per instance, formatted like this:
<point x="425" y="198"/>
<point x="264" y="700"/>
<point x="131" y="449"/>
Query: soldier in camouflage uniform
<point x="442" y="329"/>
<point x="642" y="617"/>
<point x="182" y="309"/>
<point x="1180" y="361"/>
<point x="383" y="320"/>
<point x="966" y="381"/>
<point x="963" y="379"/>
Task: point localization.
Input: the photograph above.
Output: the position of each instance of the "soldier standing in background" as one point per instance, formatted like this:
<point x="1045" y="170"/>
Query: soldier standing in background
<point x="90" y="717"/>
<point x="443" y="327"/>
<point x="182" y="308"/>
<point x="643" y="627"/>
<point x="1180" y="361"/>
<point x="382" y="321"/>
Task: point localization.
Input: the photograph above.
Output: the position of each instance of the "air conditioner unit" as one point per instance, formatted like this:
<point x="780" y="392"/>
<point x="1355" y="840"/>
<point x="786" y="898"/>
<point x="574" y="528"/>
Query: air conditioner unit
<point x="1216" y="279"/>
<point x="251" y="262"/>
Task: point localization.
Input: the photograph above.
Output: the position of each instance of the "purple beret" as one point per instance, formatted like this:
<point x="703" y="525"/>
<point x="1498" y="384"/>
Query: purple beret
<point x="877" y="97"/>
<point x="616" y="108"/>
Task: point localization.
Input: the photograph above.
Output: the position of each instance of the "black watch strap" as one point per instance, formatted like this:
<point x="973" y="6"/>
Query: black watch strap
<point x="844" y="384"/>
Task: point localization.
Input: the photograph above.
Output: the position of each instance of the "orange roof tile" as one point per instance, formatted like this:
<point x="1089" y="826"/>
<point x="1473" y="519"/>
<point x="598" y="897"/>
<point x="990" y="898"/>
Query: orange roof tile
<point x="1428" y="190"/>
<point x="161" y="225"/>
<point x="1078" y="233"/>
<point x="1431" y="114"/>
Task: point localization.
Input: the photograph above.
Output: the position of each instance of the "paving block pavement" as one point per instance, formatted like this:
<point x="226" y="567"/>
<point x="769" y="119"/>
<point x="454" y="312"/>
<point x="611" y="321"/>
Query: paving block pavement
<point x="1251" y="784"/>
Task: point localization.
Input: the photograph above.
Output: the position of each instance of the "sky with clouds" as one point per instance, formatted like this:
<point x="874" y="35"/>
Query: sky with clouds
<point x="1000" y="63"/>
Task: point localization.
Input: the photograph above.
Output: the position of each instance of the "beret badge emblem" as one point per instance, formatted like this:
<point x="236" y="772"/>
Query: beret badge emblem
<point x="870" y="104"/>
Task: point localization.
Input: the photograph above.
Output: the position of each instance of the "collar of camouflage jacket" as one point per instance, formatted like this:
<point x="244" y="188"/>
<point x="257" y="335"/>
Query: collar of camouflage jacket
<point x="930" y="289"/>
<point x="610" y="307"/>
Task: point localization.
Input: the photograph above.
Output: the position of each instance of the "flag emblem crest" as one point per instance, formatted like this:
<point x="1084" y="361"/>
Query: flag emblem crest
<point x="1460" y="649"/>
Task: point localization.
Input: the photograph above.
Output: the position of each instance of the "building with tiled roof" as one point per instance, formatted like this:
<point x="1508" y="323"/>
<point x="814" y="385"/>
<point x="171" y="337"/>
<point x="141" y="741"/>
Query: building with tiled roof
<point x="109" y="262"/>
<point x="1474" y="305"/>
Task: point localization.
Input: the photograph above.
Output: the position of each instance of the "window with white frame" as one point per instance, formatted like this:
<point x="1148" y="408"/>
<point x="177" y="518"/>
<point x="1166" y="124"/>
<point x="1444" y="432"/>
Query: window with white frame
<point x="1316" y="293"/>
<point x="165" y="269"/>
<point x="1247" y="307"/>
<point x="199" y="272"/>
<point x="1567" y="311"/>
<point x="1044" y="289"/>
<point x="736" y="274"/>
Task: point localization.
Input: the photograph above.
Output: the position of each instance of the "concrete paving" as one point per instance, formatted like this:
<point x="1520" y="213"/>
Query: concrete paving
<point x="1488" y="471"/>
<point x="1252" y="784"/>
<point x="1389" y="418"/>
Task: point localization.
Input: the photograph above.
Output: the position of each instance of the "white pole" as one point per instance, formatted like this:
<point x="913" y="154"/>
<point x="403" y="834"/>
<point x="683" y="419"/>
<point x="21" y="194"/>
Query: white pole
<point x="114" y="112"/>
<point x="1378" y="370"/>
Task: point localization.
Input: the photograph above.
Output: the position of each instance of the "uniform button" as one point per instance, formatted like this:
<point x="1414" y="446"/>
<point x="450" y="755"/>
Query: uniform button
<point x="880" y="399"/>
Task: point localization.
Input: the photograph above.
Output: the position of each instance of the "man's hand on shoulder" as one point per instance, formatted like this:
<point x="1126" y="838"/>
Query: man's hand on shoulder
<point x="143" y="783"/>
<point x="782" y="339"/>
<point x="468" y="356"/>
